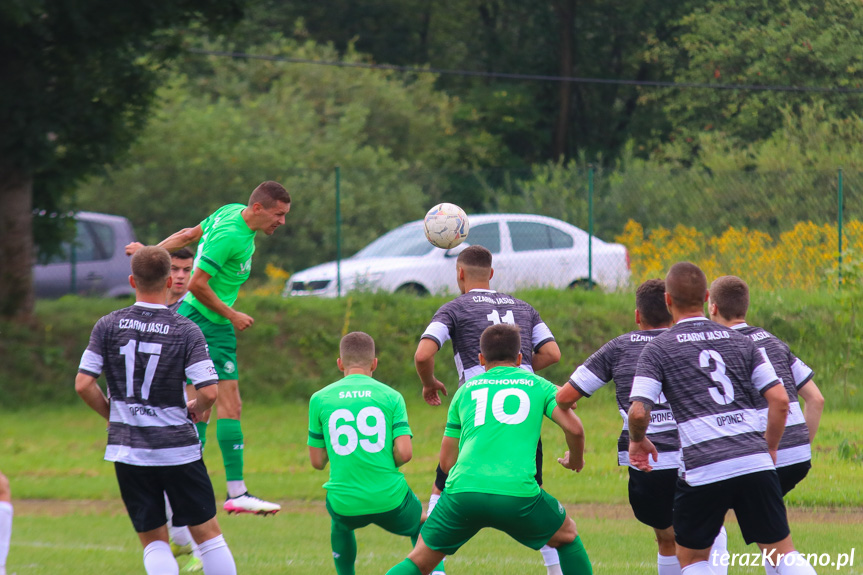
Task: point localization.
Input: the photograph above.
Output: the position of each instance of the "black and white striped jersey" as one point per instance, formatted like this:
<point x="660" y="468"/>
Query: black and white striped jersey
<point x="710" y="375"/>
<point x="617" y="360"/>
<point x="794" y="374"/>
<point x="465" y="318"/>
<point x="147" y="353"/>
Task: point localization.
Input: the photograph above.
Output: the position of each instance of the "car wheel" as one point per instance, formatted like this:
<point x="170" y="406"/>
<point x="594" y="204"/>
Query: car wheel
<point x="413" y="289"/>
<point x="583" y="284"/>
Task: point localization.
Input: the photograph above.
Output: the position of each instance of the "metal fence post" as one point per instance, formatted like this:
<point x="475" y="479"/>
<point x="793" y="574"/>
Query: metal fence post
<point x="338" y="231"/>
<point x="841" y="202"/>
<point x="590" y="227"/>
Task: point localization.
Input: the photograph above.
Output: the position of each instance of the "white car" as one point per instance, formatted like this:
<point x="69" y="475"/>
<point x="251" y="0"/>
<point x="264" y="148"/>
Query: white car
<point x="528" y="251"/>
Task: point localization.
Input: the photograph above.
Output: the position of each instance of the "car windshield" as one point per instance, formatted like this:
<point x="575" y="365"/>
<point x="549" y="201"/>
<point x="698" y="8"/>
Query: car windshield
<point x="405" y="241"/>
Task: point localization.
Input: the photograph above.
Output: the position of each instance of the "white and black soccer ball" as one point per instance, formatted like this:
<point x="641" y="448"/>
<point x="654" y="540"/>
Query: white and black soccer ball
<point x="446" y="226"/>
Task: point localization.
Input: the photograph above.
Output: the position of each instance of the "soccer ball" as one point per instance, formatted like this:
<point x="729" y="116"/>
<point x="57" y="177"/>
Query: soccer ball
<point x="446" y="226"/>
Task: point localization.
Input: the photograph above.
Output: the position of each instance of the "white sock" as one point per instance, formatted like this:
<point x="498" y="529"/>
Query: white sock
<point x="181" y="535"/>
<point x="769" y="569"/>
<point x="236" y="488"/>
<point x="5" y="533"/>
<point x="700" y="568"/>
<point x="550" y="558"/>
<point x="667" y="564"/>
<point x="719" y="550"/>
<point x="216" y="557"/>
<point x="794" y="564"/>
<point x="433" y="499"/>
<point x="158" y="559"/>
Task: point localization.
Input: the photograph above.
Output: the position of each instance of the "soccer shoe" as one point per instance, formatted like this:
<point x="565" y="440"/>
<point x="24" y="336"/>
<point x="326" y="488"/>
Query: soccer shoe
<point x="179" y="550"/>
<point x="247" y="503"/>
<point x="193" y="566"/>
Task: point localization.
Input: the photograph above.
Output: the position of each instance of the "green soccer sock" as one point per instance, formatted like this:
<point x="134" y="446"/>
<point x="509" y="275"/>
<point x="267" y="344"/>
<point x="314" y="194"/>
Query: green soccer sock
<point x="230" y="437"/>
<point x="201" y="426"/>
<point x="344" y="544"/>
<point x="406" y="567"/>
<point x="573" y="558"/>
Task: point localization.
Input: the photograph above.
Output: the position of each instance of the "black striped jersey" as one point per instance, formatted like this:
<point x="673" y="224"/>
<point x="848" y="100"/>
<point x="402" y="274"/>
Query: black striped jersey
<point x="794" y="374"/>
<point x="710" y="375"/>
<point x="617" y="360"/>
<point x="176" y="305"/>
<point x="147" y="353"/>
<point x="465" y="318"/>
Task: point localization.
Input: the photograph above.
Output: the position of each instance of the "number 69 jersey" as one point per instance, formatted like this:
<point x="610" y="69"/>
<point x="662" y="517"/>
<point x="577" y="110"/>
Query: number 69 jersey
<point x="711" y="376"/>
<point x="356" y="420"/>
<point x="147" y="353"/>
<point x="497" y="417"/>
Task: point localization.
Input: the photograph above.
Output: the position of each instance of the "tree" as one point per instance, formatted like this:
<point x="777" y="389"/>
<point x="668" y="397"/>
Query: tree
<point x="77" y="80"/>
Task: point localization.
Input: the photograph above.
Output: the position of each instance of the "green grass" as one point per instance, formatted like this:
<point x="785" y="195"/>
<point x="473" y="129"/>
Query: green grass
<point x="55" y="455"/>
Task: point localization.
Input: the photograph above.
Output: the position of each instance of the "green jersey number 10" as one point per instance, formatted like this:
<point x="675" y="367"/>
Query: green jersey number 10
<point x="480" y="396"/>
<point x="370" y="422"/>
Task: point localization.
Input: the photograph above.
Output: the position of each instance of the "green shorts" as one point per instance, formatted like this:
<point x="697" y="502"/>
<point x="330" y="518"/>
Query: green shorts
<point x="459" y="516"/>
<point x="403" y="520"/>
<point x="221" y="340"/>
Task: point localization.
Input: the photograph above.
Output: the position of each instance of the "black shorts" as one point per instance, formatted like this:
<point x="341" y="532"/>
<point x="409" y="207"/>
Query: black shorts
<point x="440" y="476"/>
<point x="188" y="488"/>
<point x="651" y="496"/>
<point x="756" y="498"/>
<point x="791" y="475"/>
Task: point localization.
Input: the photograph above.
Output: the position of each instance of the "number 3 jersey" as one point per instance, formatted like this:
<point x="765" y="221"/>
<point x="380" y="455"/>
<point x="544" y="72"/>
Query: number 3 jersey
<point x="497" y="417"/>
<point x="465" y="318"/>
<point x="356" y="420"/>
<point x="147" y="353"/>
<point x="711" y="376"/>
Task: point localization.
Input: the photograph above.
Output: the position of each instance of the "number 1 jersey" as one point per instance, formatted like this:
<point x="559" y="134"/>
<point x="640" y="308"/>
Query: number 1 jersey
<point x="147" y="353"/>
<point x="356" y="420"/>
<point x="497" y="417"/>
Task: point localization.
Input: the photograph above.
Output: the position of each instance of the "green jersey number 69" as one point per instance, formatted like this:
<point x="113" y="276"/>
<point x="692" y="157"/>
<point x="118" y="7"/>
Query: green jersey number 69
<point x="370" y="422"/>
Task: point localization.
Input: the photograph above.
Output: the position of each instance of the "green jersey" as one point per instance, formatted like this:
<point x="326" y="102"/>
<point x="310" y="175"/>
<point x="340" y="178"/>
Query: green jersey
<point x="225" y="252"/>
<point x="497" y="417"/>
<point x="356" y="419"/>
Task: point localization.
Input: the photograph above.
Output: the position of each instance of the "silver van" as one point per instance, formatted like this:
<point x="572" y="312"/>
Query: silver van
<point x="94" y="264"/>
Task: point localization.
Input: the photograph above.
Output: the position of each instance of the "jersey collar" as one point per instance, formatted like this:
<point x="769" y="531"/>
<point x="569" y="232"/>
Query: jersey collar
<point x="697" y="318"/>
<point x="740" y="325"/>
<point x="482" y="290"/>
<point x="151" y="305"/>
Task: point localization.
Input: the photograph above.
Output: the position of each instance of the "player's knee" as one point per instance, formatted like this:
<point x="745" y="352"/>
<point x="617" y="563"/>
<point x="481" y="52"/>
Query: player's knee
<point x="566" y="534"/>
<point x="665" y="541"/>
<point x="5" y="489"/>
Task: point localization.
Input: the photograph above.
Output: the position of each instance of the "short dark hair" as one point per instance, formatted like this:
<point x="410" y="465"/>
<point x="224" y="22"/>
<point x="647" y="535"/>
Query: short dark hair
<point x="500" y="342"/>
<point x="475" y="257"/>
<point x="183" y="254"/>
<point x="269" y="193"/>
<point x="357" y="348"/>
<point x="731" y="296"/>
<point x="687" y="285"/>
<point x="650" y="303"/>
<point x="151" y="267"/>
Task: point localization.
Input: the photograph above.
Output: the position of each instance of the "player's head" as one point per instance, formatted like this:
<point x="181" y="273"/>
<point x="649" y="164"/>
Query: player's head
<point x="473" y="267"/>
<point x="650" y="308"/>
<point x="151" y="271"/>
<point x="685" y="288"/>
<point x="500" y="344"/>
<point x="729" y="298"/>
<point x="182" y="261"/>
<point x="357" y="352"/>
<point x="270" y="202"/>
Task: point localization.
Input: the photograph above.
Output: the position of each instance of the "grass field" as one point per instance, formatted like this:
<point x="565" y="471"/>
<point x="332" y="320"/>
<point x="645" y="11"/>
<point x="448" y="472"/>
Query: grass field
<point x="69" y="519"/>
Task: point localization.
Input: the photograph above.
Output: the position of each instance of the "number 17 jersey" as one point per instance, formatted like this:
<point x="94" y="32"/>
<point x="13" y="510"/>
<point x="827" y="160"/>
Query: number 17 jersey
<point x="356" y="420"/>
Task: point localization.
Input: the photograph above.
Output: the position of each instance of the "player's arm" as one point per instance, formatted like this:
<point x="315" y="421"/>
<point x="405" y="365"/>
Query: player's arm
<point x="203" y="400"/>
<point x="91" y="393"/>
<point x="547" y="355"/>
<point x="403" y="450"/>
<point x="424" y="362"/>
<point x="200" y="287"/>
<point x="777" y="414"/>
<point x="318" y="456"/>
<point x="573" y="430"/>
<point x="640" y="447"/>
<point x="566" y="396"/>
<point x="813" y="407"/>
<point x="173" y="242"/>
<point x="448" y="453"/>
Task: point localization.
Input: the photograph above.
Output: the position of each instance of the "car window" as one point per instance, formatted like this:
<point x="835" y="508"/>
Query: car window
<point x="528" y="236"/>
<point x="105" y="238"/>
<point x="86" y="249"/>
<point x="401" y="242"/>
<point x="485" y="235"/>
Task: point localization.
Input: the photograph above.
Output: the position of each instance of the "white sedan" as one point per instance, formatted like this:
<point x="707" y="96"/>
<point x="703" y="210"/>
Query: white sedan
<point x="528" y="251"/>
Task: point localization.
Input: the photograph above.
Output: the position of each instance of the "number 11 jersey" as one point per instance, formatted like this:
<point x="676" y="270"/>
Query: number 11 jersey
<point x="356" y="420"/>
<point x="465" y="318"/>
